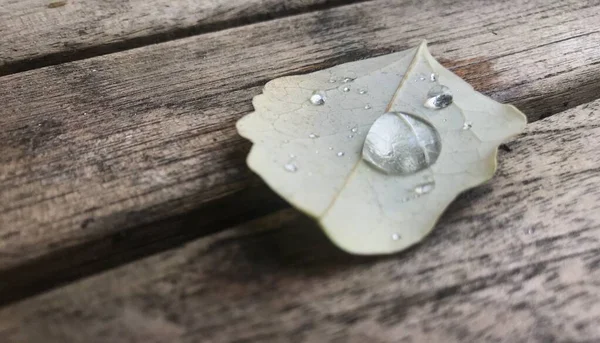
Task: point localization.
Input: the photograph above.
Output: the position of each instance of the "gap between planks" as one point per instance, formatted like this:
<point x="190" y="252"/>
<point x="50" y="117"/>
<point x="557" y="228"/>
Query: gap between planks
<point x="36" y="34"/>
<point x="115" y="157"/>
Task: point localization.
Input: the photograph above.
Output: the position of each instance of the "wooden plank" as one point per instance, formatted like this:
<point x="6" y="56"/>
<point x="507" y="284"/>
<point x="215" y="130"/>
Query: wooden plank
<point x="516" y="260"/>
<point x="111" y="155"/>
<point x="36" y="33"/>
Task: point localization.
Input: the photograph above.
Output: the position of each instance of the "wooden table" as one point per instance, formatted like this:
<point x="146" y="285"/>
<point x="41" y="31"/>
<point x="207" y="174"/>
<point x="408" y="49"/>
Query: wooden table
<point x="127" y="213"/>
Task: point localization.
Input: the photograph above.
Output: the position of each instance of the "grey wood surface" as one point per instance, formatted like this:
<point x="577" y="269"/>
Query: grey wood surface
<point x="35" y="33"/>
<point x="516" y="260"/>
<point x="118" y="156"/>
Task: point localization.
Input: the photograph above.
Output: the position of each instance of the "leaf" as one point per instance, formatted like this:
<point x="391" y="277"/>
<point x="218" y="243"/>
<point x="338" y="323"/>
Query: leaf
<point x="312" y="154"/>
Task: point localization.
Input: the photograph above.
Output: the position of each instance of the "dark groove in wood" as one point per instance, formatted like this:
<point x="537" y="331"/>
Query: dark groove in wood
<point x="134" y="243"/>
<point x="132" y="43"/>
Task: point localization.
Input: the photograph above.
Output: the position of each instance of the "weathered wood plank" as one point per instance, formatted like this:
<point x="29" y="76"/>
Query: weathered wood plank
<point x="36" y="33"/>
<point x="95" y="152"/>
<point x="516" y="260"/>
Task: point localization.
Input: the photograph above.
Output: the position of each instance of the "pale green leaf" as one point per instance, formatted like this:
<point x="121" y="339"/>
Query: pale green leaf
<point x="311" y="154"/>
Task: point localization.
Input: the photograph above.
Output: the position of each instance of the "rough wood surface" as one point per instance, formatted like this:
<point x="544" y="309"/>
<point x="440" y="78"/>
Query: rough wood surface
<point x="36" y="33"/>
<point x="516" y="260"/>
<point x="113" y="157"/>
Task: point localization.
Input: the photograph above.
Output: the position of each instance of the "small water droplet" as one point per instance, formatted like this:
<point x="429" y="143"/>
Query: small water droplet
<point x="290" y="167"/>
<point x="354" y="129"/>
<point x="433" y="77"/>
<point x="425" y="188"/>
<point x="467" y="125"/>
<point x="313" y="136"/>
<point x="332" y="80"/>
<point x="317" y="99"/>
<point x="395" y="236"/>
<point x="367" y="107"/>
<point x="350" y="136"/>
<point x="531" y="230"/>
<point x="346" y="89"/>
<point x="362" y="91"/>
<point x="421" y="77"/>
<point x="348" y="79"/>
<point x="341" y="153"/>
<point x="401" y="143"/>
<point x="330" y="148"/>
<point x="439" y="97"/>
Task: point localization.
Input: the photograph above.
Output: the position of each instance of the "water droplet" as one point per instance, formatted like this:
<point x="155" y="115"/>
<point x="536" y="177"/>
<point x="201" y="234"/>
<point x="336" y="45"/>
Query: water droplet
<point x="362" y="91"/>
<point x="346" y="89"/>
<point x="531" y="230"/>
<point x="367" y="107"/>
<point x="467" y="125"/>
<point x="395" y="236"/>
<point x="421" y="77"/>
<point x="439" y="97"/>
<point x="313" y="136"/>
<point x="290" y="167"/>
<point x="433" y="77"/>
<point x="341" y="153"/>
<point x="401" y="143"/>
<point x="330" y="148"/>
<point x="350" y="136"/>
<point x="332" y="80"/>
<point x="317" y="99"/>
<point x="425" y="188"/>
<point x="348" y="79"/>
<point x="354" y="129"/>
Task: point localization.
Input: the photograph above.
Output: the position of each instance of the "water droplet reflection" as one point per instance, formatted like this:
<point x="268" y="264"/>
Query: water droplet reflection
<point x="401" y="143"/>
<point x="439" y="97"/>
<point x="317" y="99"/>
<point x="424" y="188"/>
<point x="290" y="167"/>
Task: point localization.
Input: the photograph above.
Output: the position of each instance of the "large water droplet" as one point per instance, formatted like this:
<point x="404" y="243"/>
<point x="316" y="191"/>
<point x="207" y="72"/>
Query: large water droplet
<point x="317" y="99"/>
<point x="290" y="167"/>
<point x="425" y="188"/>
<point x="439" y="97"/>
<point x="341" y="153"/>
<point x="401" y="143"/>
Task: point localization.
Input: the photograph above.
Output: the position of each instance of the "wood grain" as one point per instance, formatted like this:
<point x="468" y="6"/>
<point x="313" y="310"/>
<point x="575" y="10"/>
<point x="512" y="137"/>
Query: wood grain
<point x="516" y="260"/>
<point x="37" y="33"/>
<point x="114" y="157"/>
